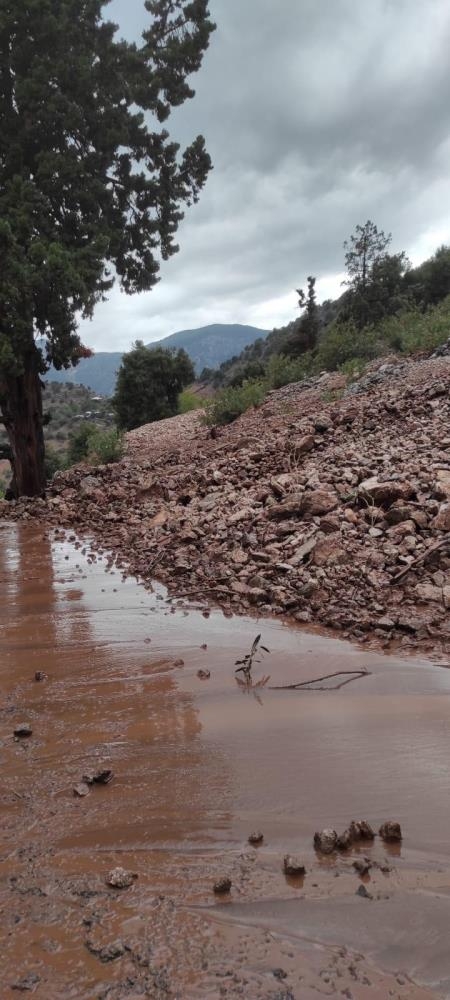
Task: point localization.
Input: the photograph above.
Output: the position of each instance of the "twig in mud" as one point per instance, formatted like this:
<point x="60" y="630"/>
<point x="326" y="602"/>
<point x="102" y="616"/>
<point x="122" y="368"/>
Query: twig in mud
<point x="201" y="591"/>
<point x="253" y="685"/>
<point x="245" y="666"/>
<point x="352" y="675"/>
<point x="424" y="555"/>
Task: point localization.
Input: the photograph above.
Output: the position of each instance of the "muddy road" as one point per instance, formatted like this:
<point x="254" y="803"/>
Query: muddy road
<point x="197" y="765"/>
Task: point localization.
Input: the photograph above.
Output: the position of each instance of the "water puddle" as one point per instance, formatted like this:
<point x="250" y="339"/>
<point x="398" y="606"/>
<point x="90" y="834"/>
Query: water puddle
<point x="198" y="764"/>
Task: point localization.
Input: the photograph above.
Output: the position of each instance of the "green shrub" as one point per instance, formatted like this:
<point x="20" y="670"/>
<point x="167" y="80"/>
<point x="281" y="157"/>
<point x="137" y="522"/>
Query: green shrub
<point x="352" y="368"/>
<point x="247" y="372"/>
<point x="79" y="443"/>
<point x="54" y="462"/>
<point x="106" y="447"/>
<point x="416" y="330"/>
<point x="342" y="342"/>
<point x="281" y="370"/>
<point x="188" y="401"/>
<point x="228" y="404"/>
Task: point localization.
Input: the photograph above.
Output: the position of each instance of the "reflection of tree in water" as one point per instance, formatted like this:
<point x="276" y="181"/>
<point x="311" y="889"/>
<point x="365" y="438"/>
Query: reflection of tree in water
<point x="120" y="705"/>
<point x="27" y="596"/>
<point x="101" y="704"/>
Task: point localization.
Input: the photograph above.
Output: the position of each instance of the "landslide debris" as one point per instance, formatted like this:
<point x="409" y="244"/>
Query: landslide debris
<point x="330" y="504"/>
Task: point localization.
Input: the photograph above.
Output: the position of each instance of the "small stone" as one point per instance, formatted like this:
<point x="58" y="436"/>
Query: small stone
<point x="361" y="830"/>
<point x="27" y="984"/>
<point x="102" y="777"/>
<point x="362" y="891"/>
<point x="362" y="866"/>
<point x="112" y="951"/>
<point x="81" y="790"/>
<point x="280" y="974"/>
<point x="204" y="675"/>
<point x="303" y="445"/>
<point x="40" y="675"/>
<point x="178" y="663"/>
<point x="385" y="624"/>
<point x="322" y="423"/>
<point x="292" y="866"/>
<point x="390" y="831"/>
<point x="442" y="519"/>
<point x="344" y="840"/>
<point x="119" y="878"/>
<point x="256" y="838"/>
<point x="222" y="886"/>
<point x="325" y="841"/>
<point x="23" y="730"/>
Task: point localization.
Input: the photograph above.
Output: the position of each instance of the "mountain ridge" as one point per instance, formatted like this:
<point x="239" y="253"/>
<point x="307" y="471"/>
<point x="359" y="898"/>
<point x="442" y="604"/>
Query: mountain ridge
<point x="207" y="346"/>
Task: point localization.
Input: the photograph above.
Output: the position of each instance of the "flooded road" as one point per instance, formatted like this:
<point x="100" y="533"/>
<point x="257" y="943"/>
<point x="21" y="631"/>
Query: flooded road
<point x="199" y="764"/>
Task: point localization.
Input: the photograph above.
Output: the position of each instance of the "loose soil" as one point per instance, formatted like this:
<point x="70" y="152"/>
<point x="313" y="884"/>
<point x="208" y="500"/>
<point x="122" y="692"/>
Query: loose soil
<point x="198" y="765"/>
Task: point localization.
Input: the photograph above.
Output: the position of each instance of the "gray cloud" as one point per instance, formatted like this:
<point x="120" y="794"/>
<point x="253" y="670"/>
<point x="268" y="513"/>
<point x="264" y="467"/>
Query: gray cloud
<point x="317" y="116"/>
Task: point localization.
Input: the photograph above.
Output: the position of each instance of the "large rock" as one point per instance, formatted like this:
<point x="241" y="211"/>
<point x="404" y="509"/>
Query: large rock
<point x="303" y="551"/>
<point x="325" y="841"/>
<point x="301" y="446"/>
<point x="384" y="494"/>
<point x="427" y="592"/>
<point x="328" y="552"/>
<point x="390" y="831"/>
<point x="292" y="866"/>
<point x="442" y="488"/>
<point x="319" y="502"/>
<point x="442" y="519"/>
<point x="291" y="507"/>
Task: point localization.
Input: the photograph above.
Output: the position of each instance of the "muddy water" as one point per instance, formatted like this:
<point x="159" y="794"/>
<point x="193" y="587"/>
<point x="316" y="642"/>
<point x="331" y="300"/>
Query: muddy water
<point x="198" y="764"/>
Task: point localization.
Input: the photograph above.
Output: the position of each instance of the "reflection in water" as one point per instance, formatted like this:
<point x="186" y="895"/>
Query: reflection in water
<point x="103" y="700"/>
<point x="107" y="701"/>
<point x="196" y="768"/>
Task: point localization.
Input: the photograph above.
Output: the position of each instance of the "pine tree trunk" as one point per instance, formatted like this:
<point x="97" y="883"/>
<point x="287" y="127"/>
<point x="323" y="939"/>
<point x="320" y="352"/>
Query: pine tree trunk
<point x="22" y="416"/>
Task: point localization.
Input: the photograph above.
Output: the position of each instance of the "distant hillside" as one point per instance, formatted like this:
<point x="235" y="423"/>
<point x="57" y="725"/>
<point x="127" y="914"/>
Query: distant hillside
<point x="97" y="373"/>
<point x="208" y="347"/>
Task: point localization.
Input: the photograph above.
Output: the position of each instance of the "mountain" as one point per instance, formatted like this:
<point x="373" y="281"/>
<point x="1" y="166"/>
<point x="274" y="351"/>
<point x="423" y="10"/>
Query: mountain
<point x="211" y="343"/>
<point x="208" y="347"/>
<point x="97" y="373"/>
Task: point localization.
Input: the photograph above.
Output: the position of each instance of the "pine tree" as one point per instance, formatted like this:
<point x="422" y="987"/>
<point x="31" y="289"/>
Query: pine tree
<point x="364" y="252"/>
<point x="309" y="325"/>
<point x="92" y="188"/>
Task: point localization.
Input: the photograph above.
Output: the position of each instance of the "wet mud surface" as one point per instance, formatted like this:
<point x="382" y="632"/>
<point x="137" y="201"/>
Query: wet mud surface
<point x="197" y="765"/>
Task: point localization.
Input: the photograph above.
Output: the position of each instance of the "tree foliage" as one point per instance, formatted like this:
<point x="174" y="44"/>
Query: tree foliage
<point x="149" y="383"/>
<point x="306" y="331"/>
<point x="375" y="278"/>
<point x="429" y="283"/>
<point x="92" y="188"/>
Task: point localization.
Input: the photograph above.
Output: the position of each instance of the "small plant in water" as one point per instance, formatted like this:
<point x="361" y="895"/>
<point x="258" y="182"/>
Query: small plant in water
<point x="245" y="666"/>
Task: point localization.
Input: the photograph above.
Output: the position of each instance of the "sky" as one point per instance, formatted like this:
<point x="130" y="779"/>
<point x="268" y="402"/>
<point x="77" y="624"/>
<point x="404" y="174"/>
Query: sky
<point x="318" y="115"/>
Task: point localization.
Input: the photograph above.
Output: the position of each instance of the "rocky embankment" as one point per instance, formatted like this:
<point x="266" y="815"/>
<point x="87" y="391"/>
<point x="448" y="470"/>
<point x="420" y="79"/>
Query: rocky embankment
<point x="329" y="504"/>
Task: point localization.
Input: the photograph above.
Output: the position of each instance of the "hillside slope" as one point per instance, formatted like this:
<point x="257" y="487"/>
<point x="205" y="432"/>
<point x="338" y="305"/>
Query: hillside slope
<point x="328" y="504"/>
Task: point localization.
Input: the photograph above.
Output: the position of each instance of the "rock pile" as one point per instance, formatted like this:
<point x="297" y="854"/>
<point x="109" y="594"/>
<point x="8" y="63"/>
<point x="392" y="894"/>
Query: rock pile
<point x="327" y="507"/>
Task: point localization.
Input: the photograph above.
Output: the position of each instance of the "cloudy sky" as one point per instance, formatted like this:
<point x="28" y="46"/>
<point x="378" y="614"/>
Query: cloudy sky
<point x="318" y="115"/>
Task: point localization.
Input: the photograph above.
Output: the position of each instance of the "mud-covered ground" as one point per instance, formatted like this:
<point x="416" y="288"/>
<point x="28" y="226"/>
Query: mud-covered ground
<point x="330" y="504"/>
<point x="197" y="765"/>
